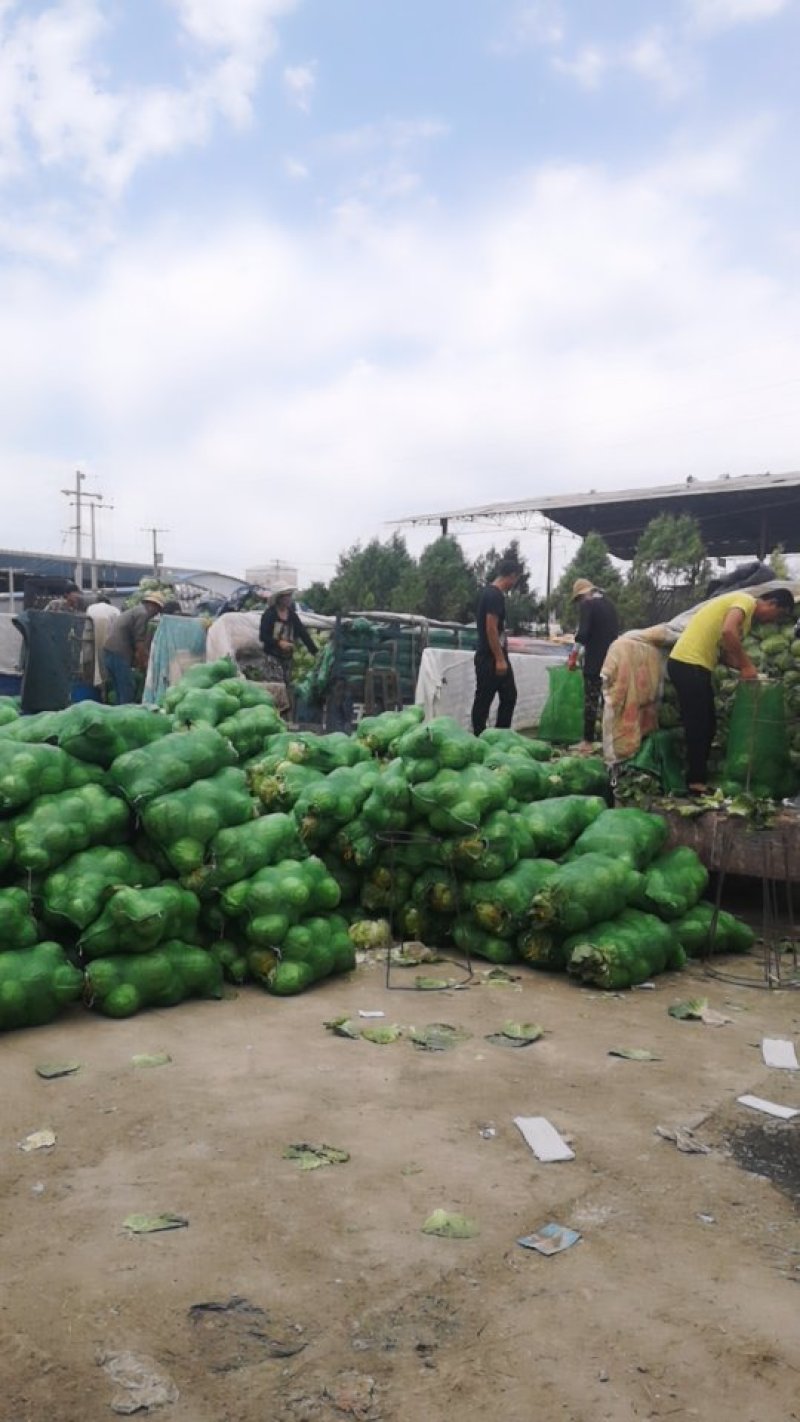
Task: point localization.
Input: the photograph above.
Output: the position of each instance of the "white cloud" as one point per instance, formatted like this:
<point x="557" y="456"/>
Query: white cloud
<point x="240" y="26"/>
<point x="711" y="16"/>
<point x="532" y="25"/>
<point x="588" y="68"/>
<point x="395" y="135"/>
<point x="651" y="57"/>
<point x="295" y="169"/>
<point x="379" y="159"/>
<point x="299" y="81"/>
<point x="585" y="331"/>
<point x="55" y="98"/>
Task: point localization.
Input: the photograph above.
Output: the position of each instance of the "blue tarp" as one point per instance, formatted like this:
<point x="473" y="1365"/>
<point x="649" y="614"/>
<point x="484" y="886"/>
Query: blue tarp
<point x="179" y="643"/>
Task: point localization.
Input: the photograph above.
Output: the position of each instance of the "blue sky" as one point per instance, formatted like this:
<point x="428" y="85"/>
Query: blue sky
<point x="275" y="272"/>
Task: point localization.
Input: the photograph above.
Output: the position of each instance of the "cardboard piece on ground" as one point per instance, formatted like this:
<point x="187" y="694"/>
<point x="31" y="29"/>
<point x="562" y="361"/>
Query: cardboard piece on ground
<point x="779" y="1052"/>
<point x="770" y="1108"/>
<point x="543" y="1139"/>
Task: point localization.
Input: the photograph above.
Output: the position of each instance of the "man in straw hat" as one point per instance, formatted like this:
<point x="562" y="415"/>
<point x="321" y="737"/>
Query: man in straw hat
<point x="128" y="645"/>
<point x="598" y="627"/>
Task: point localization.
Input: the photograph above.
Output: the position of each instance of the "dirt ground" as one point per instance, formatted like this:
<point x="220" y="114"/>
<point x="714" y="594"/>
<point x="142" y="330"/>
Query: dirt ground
<point x="657" y="1312"/>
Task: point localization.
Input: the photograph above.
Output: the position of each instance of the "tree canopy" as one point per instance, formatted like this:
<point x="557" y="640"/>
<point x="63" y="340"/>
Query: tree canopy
<point x="668" y="573"/>
<point x="442" y="584"/>
<point x="591" y="561"/>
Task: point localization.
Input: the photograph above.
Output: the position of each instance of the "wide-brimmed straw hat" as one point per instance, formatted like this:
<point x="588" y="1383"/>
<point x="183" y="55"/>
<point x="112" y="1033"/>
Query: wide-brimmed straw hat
<point x="581" y="586"/>
<point x="281" y="592"/>
<point x="157" y="597"/>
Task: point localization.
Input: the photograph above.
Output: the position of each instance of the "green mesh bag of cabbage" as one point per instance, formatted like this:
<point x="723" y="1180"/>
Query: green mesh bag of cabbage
<point x="122" y="984"/>
<point x="699" y="933"/>
<point x="629" y="950"/>
<point x="35" y="984"/>
<point x="673" y="883"/>
<point x="587" y="890"/>
<point x="311" y="950"/>
<point x="633" y="835"/>
<point x="17" y="923"/>
<point x="136" y="920"/>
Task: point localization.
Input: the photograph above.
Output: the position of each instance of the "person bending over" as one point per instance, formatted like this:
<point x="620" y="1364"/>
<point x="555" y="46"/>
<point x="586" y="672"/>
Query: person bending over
<point x="716" y="633"/>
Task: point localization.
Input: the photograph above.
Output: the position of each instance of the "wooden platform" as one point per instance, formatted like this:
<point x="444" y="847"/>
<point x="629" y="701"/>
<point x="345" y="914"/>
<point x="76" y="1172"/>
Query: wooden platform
<point x="729" y="843"/>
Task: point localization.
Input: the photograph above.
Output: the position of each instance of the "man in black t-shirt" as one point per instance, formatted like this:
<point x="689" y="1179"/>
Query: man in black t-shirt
<point x="493" y="674"/>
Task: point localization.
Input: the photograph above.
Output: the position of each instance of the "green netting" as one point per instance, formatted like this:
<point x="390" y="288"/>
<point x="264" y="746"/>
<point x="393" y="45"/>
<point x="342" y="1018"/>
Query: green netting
<point x="171" y="763"/>
<point x="17" y="923"/>
<point x="473" y="940"/>
<point x="662" y="756"/>
<point x="757" y="754"/>
<point x="27" y="771"/>
<point x="673" y="883"/>
<point x="35" y="983"/>
<point x="136" y="920"/>
<point x="99" y="734"/>
<point x="633" y="835"/>
<point x="120" y="985"/>
<point x="628" y="950"/>
<point x="562" y="717"/>
<point x="585" y="891"/>
<point x="702" y="930"/>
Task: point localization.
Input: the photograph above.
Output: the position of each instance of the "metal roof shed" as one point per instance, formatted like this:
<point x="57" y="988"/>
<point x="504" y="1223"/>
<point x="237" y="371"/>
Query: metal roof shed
<point x="741" y="516"/>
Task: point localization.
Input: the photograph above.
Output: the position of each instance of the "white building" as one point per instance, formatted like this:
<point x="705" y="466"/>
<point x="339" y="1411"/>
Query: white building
<point x="273" y="575"/>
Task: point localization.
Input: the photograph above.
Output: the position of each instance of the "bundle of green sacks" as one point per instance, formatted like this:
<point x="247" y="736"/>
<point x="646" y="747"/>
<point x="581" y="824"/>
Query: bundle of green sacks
<point x="147" y="856"/>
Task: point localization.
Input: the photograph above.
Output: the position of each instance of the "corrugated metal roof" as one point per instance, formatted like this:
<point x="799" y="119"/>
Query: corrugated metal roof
<point x="110" y="573"/>
<point x="742" y="515"/>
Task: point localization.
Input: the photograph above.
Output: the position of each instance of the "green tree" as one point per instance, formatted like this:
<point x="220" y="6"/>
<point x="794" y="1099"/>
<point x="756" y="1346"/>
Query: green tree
<point x="524" y="607"/>
<point x="317" y="597"/>
<point x="485" y="565"/>
<point x="591" y="561"/>
<point x="367" y="579"/>
<point x="668" y="572"/>
<point x="446" y="583"/>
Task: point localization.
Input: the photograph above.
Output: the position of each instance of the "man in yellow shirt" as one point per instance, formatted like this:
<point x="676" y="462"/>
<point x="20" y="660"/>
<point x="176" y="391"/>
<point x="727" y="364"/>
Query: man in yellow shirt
<point x="716" y="633"/>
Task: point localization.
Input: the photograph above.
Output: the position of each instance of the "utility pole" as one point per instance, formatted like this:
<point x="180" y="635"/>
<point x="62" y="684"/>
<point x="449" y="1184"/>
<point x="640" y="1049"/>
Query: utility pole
<point x="78" y="498"/>
<point x="75" y="495"/>
<point x="549" y="588"/>
<point x="157" y="557"/>
<point x="96" y="504"/>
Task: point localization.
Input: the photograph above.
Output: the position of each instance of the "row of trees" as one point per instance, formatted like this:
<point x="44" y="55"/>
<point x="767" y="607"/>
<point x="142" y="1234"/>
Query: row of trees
<point x="669" y="572"/>
<point x="441" y="584"/>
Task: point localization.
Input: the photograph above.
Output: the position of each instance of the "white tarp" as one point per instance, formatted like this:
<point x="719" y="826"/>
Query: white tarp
<point x="10" y="646"/>
<point x="237" y="632"/>
<point x="232" y="633"/>
<point x="446" y="685"/>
